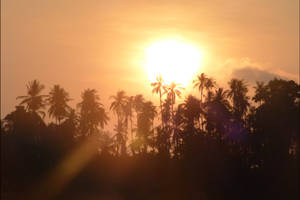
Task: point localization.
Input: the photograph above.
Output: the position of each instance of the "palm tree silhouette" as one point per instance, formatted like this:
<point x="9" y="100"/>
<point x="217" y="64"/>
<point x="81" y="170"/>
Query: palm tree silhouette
<point x="218" y="112"/>
<point x="210" y="83"/>
<point x="129" y="112"/>
<point x="238" y="94"/>
<point x="192" y="110"/>
<point x="149" y="110"/>
<point x="92" y="113"/>
<point x="260" y="92"/>
<point x="145" y="122"/>
<point x="57" y="100"/>
<point x="120" y="139"/>
<point x="203" y="82"/>
<point x="158" y="87"/>
<point x="166" y="111"/>
<point x="119" y="107"/>
<point x="71" y="121"/>
<point x="34" y="100"/>
<point x="138" y="103"/>
<point x="221" y="97"/>
<point x="173" y="90"/>
<point x="200" y="84"/>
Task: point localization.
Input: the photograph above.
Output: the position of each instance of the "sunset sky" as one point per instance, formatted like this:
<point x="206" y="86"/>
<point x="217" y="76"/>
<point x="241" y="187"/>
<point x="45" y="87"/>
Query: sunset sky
<point x="102" y="44"/>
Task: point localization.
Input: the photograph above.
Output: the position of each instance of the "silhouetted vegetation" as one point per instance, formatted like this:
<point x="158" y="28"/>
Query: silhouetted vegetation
<point x="222" y="145"/>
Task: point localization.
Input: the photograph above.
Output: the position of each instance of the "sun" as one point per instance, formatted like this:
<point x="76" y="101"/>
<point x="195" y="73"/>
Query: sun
<point x="174" y="60"/>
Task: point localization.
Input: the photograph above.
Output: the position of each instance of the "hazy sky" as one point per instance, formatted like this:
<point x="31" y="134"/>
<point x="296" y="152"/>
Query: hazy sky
<point x="100" y="44"/>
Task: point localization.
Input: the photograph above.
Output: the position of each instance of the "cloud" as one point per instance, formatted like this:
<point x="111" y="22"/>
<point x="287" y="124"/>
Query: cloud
<point x="250" y="71"/>
<point x="253" y="74"/>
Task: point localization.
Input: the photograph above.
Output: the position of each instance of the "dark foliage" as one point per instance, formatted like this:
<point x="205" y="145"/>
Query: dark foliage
<point x="221" y="146"/>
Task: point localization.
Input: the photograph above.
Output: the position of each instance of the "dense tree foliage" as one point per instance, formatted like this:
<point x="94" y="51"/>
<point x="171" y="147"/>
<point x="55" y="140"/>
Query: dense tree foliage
<point x="222" y="145"/>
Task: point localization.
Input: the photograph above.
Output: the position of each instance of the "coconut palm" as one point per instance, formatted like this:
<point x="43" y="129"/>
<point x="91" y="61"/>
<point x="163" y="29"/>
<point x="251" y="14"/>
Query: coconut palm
<point x="119" y="108"/>
<point x="173" y="90"/>
<point x="179" y="125"/>
<point x="129" y="112"/>
<point x="138" y="103"/>
<point x="203" y="82"/>
<point x="166" y="111"/>
<point x="71" y="121"/>
<point x="158" y="88"/>
<point x="149" y="110"/>
<point x="218" y="112"/>
<point x="106" y="143"/>
<point x="200" y="84"/>
<point x="145" y="122"/>
<point x="118" y="105"/>
<point x="120" y="139"/>
<point x="210" y="83"/>
<point x="34" y="101"/>
<point x="208" y="86"/>
<point x="238" y="94"/>
<point x="92" y="113"/>
<point x="221" y="97"/>
<point x="57" y="100"/>
<point x="192" y="110"/>
<point x="260" y="92"/>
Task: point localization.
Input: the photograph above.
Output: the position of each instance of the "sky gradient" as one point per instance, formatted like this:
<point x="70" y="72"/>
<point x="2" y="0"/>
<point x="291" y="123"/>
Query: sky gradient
<point x="101" y="44"/>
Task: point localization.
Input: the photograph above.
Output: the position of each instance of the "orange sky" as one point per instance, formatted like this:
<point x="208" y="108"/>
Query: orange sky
<point x="100" y="44"/>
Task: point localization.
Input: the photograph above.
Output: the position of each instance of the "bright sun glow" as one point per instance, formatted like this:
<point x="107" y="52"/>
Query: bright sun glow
<point x="175" y="61"/>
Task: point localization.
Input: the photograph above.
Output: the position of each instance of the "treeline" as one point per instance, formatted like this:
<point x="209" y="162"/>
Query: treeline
<point x="223" y="144"/>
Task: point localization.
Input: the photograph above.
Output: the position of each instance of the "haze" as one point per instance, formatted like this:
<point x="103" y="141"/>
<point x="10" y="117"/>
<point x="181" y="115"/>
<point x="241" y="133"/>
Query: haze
<point x="101" y="44"/>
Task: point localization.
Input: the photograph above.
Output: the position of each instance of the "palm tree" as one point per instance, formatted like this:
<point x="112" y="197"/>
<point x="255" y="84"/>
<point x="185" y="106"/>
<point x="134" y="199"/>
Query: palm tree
<point x="92" y="113"/>
<point x="200" y="84"/>
<point x="210" y="83"/>
<point x="157" y="89"/>
<point x="120" y="138"/>
<point x="128" y="112"/>
<point x="34" y="100"/>
<point x="173" y="91"/>
<point x="71" y="121"/>
<point x="145" y="122"/>
<point x="192" y="110"/>
<point x="260" y="92"/>
<point x="119" y="104"/>
<point x="221" y="97"/>
<point x="149" y="110"/>
<point x="166" y="111"/>
<point x="238" y="94"/>
<point x="57" y="100"/>
<point x="106" y="143"/>
<point x="177" y="137"/>
<point x="138" y="102"/>
<point x="218" y="112"/>
<point x="203" y="82"/>
<point x="119" y="108"/>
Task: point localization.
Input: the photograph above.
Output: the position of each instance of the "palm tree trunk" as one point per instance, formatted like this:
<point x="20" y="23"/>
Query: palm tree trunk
<point x="173" y="123"/>
<point x="131" y="127"/>
<point x="201" y="116"/>
<point x="162" y="123"/>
